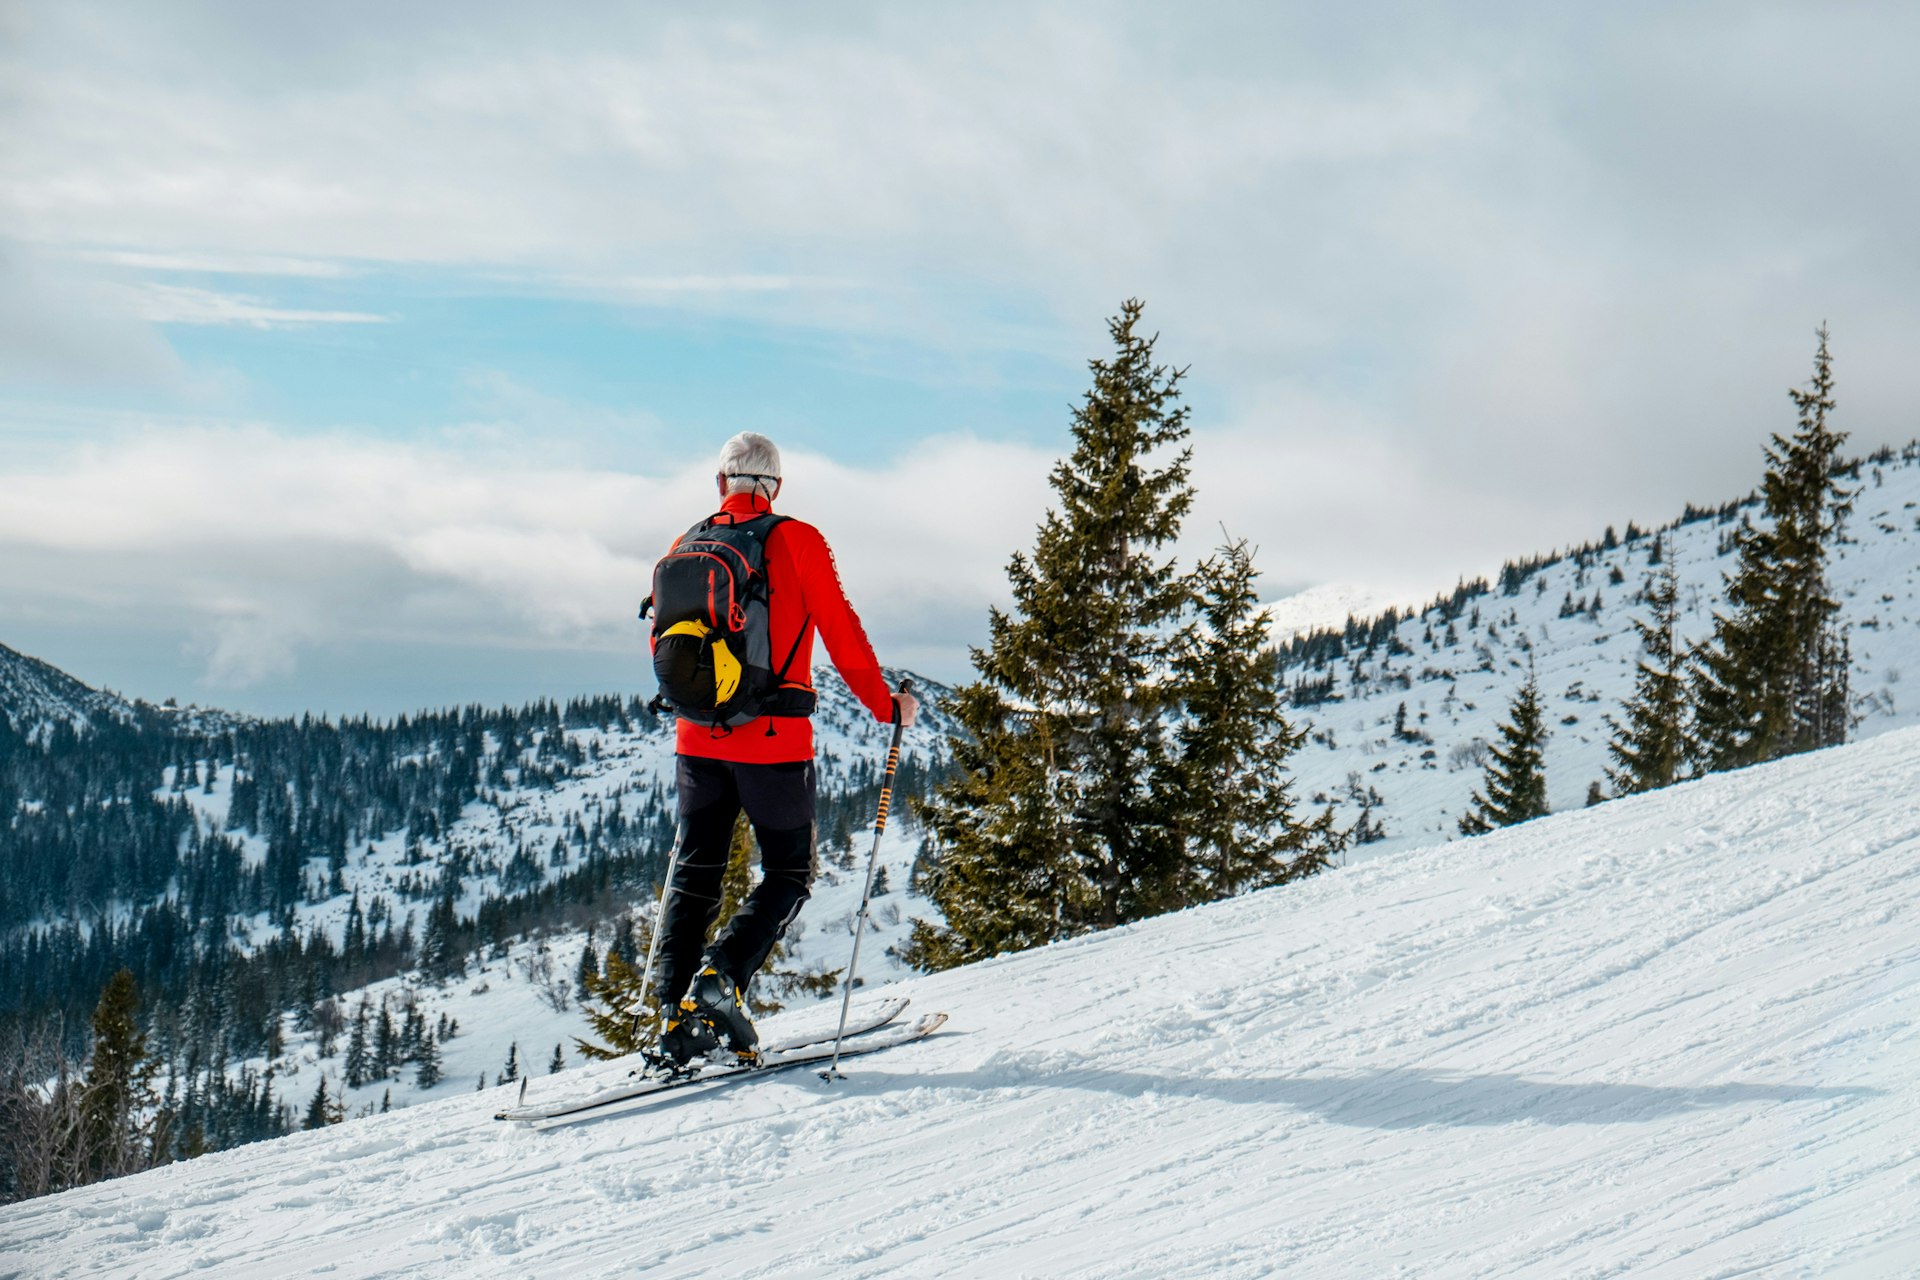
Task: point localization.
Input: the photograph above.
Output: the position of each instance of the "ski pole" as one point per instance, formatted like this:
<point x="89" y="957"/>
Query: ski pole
<point x="659" y="922"/>
<point x="860" y="922"/>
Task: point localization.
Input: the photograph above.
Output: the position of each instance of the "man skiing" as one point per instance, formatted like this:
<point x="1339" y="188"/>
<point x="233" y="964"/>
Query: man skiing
<point x="738" y="675"/>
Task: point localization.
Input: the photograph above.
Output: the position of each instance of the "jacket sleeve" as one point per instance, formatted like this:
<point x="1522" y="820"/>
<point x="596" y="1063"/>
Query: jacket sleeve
<point x="839" y="626"/>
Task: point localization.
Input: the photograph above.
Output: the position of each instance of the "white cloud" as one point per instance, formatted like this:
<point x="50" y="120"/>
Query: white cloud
<point x="646" y="286"/>
<point x="248" y="649"/>
<point x="183" y="304"/>
<point x="56" y="327"/>
<point x="254" y="264"/>
<point x="1456" y="282"/>
<point x="264" y="544"/>
<point x="1403" y="204"/>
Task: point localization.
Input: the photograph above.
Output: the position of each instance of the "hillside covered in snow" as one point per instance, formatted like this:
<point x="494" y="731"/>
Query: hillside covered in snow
<point x="1671" y="1036"/>
<point x="35" y="697"/>
<point x="1401" y="705"/>
<point x="267" y="880"/>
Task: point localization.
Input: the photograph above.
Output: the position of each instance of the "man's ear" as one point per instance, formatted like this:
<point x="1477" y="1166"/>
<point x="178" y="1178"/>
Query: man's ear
<point x="720" y="482"/>
<point x="776" y="490"/>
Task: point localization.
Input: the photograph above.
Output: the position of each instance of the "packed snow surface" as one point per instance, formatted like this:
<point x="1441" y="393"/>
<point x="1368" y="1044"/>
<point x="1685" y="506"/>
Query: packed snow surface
<point x="1673" y="1035"/>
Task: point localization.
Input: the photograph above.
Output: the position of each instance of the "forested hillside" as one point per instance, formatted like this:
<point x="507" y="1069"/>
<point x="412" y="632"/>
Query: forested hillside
<point x="1403" y="707"/>
<point x="248" y="872"/>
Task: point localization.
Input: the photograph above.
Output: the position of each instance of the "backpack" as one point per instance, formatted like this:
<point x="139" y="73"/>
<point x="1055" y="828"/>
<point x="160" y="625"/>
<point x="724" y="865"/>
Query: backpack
<point x="712" y="641"/>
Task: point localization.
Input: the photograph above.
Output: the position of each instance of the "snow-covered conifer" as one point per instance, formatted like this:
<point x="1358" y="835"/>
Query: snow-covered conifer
<point x="1516" y="779"/>
<point x="1234" y="809"/>
<point x="1650" y="747"/>
<point x="1773" y="680"/>
<point x="427" y="1058"/>
<point x="1052" y="825"/>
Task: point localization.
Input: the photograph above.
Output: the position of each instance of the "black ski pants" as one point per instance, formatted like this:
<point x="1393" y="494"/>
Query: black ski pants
<point x="778" y="799"/>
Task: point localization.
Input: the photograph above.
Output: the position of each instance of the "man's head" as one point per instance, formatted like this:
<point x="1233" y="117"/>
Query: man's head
<point x="750" y="463"/>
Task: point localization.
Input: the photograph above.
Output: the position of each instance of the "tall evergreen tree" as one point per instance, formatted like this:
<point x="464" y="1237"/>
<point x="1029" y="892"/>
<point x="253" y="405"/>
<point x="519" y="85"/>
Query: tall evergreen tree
<point x="427" y="1072"/>
<point x="1650" y="748"/>
<point x="1773" y="680"/>
<point x="1053" y="825"/>
<point x="358" y="1068"/>
<point x="440" y="954"/>
<point x="386" y="1044"/>
<point x="1235" y="807"/>
<point x="1516" y="778"/>
<point x="589" y="966"/>
<point x="118" y="1083"/>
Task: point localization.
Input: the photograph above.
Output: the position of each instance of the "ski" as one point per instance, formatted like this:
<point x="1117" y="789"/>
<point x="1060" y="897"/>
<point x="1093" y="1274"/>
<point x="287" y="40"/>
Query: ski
<point x="870" y="1035"/>
<point x="813" y="1054"/>
<point x="883" y="1013"/>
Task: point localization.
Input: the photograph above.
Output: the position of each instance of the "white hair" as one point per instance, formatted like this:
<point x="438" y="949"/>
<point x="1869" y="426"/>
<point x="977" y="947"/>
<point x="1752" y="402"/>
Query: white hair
<point x="750" y="462"/>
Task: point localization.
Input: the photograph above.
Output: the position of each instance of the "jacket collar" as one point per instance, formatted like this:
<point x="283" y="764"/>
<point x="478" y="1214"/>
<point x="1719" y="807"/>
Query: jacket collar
<point x="746" y="504"/>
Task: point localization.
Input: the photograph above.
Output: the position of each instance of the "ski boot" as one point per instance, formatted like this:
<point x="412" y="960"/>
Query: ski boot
<point x="685" y="1038"/>
<point x="714" y="999"/>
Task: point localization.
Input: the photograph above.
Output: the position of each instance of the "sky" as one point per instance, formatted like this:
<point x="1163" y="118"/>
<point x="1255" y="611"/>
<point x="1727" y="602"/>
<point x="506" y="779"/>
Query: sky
<point x="361" y="357"/>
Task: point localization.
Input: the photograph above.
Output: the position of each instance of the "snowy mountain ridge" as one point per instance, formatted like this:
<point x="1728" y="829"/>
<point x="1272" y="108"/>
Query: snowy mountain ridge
<point x="1615" y="1041"/>
<point x="35" y="696"/>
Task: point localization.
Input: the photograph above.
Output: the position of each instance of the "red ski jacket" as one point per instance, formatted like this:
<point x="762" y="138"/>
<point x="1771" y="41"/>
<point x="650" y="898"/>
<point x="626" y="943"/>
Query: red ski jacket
<point x="805" y="593"/>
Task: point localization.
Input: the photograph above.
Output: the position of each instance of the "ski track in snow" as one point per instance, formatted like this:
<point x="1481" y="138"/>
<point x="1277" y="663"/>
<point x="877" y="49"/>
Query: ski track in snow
<point x="1671" y="1036"/>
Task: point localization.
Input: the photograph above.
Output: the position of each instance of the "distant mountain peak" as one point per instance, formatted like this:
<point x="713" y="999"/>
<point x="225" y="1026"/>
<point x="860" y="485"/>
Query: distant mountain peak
<point x="35" y="696"/>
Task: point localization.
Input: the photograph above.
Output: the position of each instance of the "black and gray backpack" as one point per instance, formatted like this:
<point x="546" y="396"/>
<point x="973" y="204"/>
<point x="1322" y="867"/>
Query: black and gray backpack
<point x="712" y="642"/>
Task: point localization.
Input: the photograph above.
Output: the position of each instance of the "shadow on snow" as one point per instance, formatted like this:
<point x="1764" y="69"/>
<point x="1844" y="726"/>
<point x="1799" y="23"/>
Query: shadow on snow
<point x="1404" y="1097"/>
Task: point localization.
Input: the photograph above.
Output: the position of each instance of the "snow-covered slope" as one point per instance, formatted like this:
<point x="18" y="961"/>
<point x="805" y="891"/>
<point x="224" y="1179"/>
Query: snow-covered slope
<point x="523" y="998"/>
<point x="1671" y="1036"/>
<point x="1457" y="691"/>
<point x="35" y="696"/>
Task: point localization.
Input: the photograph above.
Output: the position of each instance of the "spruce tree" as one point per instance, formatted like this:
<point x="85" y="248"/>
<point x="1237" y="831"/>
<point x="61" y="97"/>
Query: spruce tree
<point x="322" y="1110"/>
<point x="1773" y="679"/>
<point x="412" y="1027"/>
<point x="440" y="954"/>
<point x="1650" y="748"/>
<point x="1516" y="778"/>
<point x="1236" y="815"/>
<point x="589" y="965"/>
<point x="1053" y="826"/>
<point x="118" y="1084"/>
<point x="386" y="1044"/>
<point x="613" y="997"/>
<point x="427" y="1059"/>
<point x="358" y="1068"/>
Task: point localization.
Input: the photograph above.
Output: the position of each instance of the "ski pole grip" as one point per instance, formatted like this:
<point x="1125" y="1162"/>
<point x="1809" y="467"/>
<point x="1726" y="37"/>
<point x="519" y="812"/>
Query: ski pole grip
<point x="906" y="687"/>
